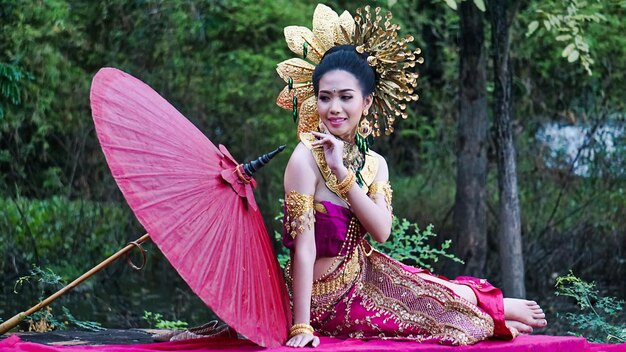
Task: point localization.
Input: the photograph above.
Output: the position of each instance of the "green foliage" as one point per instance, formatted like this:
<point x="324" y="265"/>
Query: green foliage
<point x="283" y="253"/>
<point x="156" y="320"/>
<point x="10" y="76"/>
<point x="44" y="320"/>
<point x="567" y="23"/>
<point x="83" y="324"/>
<point x="215" y="61"/>
<point x="44" y="279"/>
<point x="45" y="231"/>
<point x="409" y="244"/>
<point x="597" y="314"/>
<point x="480" y="4"/>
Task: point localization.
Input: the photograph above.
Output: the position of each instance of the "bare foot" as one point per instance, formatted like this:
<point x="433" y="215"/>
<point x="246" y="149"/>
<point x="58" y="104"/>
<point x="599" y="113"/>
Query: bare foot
<point x="528" y="313"/>
<point x="519" y="326"/>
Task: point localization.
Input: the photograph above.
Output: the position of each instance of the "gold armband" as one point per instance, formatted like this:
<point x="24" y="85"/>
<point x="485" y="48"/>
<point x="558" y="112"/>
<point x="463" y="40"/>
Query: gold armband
<point x="299" y="213"/>
<point x="384" y="188"/>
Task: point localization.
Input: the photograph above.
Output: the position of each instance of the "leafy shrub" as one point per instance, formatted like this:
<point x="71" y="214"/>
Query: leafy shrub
<point x="156" y="320"/>
<point x="595" y="321"/>
<point x="83" y="324"/>
<point x="44" y="320"/>
<point x="409" y="244"/>
<point x="43" y="278"/>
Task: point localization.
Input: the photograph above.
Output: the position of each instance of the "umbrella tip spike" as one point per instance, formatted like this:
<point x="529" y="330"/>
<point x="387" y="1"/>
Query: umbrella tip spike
<point x="252" y="166"/>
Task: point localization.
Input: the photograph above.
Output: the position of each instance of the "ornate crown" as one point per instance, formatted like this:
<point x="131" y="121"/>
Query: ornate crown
<point x="388" y="55"/>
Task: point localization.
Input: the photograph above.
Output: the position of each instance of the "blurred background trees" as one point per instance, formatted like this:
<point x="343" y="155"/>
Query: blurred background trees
<point x="214" y="61"/>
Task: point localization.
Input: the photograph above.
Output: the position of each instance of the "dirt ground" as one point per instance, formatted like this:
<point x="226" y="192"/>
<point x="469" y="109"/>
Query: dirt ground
<point x="78" y="337"/>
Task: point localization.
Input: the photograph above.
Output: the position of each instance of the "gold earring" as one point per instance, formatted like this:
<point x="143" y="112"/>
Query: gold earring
<point x="364" y="129"/>
<point x="365" y="112"/>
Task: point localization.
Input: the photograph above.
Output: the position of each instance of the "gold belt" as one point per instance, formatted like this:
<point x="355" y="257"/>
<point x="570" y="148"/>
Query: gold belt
<point x="337" y="281"/>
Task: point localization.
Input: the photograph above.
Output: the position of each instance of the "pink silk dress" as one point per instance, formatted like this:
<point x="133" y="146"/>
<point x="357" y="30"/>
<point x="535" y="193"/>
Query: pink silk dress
<point x="372" y="296"/>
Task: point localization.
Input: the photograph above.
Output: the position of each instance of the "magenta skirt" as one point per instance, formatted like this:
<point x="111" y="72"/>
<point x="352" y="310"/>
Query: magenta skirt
<point x="373" y="296"/>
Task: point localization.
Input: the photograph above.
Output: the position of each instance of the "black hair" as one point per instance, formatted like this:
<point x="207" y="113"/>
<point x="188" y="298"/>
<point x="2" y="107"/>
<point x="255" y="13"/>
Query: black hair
<point x="346" y="58"/>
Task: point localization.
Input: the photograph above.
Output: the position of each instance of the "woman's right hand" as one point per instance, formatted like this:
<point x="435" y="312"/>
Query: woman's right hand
<point x="302" y="340"/>
<point x="333" y="151"/>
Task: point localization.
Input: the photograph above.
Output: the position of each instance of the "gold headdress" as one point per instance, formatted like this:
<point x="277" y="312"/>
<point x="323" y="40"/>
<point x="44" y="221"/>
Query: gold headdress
<point x="388" y="55"/>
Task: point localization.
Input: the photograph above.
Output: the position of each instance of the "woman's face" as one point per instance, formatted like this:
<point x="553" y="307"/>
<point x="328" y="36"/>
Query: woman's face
<point x="340" y="103"/>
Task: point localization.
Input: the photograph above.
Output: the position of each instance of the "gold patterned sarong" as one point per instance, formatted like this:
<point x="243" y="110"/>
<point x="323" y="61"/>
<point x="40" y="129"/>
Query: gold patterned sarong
<point x="388" y="300"/>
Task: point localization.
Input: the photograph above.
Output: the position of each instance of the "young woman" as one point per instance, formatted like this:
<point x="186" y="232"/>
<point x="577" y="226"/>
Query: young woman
<point x="335" y="194"/>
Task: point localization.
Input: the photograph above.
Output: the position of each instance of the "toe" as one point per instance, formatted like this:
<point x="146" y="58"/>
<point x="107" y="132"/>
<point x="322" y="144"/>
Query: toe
<point x="539" y="323"/>
<point x="524" y="328"/>
<point x="519" y="326"/>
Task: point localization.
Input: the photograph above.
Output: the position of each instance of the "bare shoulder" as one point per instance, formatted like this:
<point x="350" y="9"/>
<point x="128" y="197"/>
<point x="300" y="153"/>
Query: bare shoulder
<point x="301" y="157"/>
<point x="383" y="171"/>
<point x="300" y="173"/>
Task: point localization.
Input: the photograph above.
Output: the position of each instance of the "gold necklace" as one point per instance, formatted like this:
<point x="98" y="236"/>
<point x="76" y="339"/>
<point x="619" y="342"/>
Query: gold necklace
<point x="353" y="159"/>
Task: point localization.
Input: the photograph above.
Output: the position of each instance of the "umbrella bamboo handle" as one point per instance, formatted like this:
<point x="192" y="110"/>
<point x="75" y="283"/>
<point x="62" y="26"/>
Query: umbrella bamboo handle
<point x="11" y="323"/>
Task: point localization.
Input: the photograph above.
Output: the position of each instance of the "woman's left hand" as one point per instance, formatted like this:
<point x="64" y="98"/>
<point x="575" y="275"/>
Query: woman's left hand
<point x="333" y="152"/>
<point x="302" y="340"/>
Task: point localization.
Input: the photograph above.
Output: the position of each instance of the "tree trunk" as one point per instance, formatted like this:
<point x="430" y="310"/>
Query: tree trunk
<point x="509" y="229"/>
<point x="470" y="206"/>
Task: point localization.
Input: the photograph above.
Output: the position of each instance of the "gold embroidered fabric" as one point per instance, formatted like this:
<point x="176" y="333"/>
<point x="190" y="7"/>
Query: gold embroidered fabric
<point x="384" y="188"/>
<point x="385" y="301"/>
<point x="415" y="302"/>
<point x="320" y="208"/>
<point x="299" y="213"/>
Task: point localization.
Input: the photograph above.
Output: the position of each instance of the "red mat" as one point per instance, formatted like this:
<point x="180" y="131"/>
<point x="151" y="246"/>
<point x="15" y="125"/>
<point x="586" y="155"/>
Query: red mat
<point x="525" y="343"/>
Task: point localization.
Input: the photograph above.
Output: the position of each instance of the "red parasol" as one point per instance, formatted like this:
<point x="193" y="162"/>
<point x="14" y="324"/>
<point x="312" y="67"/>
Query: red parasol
<point x="196" y="204"/>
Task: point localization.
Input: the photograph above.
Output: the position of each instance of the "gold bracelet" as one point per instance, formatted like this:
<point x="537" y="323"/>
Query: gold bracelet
<point x="346" y="180"/>
<point x="300" y="328"/>
<point x="300" y="332"/>
<point x="344" y="186"/>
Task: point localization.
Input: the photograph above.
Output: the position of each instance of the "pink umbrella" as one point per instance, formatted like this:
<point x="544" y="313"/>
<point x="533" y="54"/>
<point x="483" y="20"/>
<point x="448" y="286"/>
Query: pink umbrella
<point x="196" y="203"/>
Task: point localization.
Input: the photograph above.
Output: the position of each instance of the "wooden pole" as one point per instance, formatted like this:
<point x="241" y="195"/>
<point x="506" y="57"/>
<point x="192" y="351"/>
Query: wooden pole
<point x="11" y="323"/>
